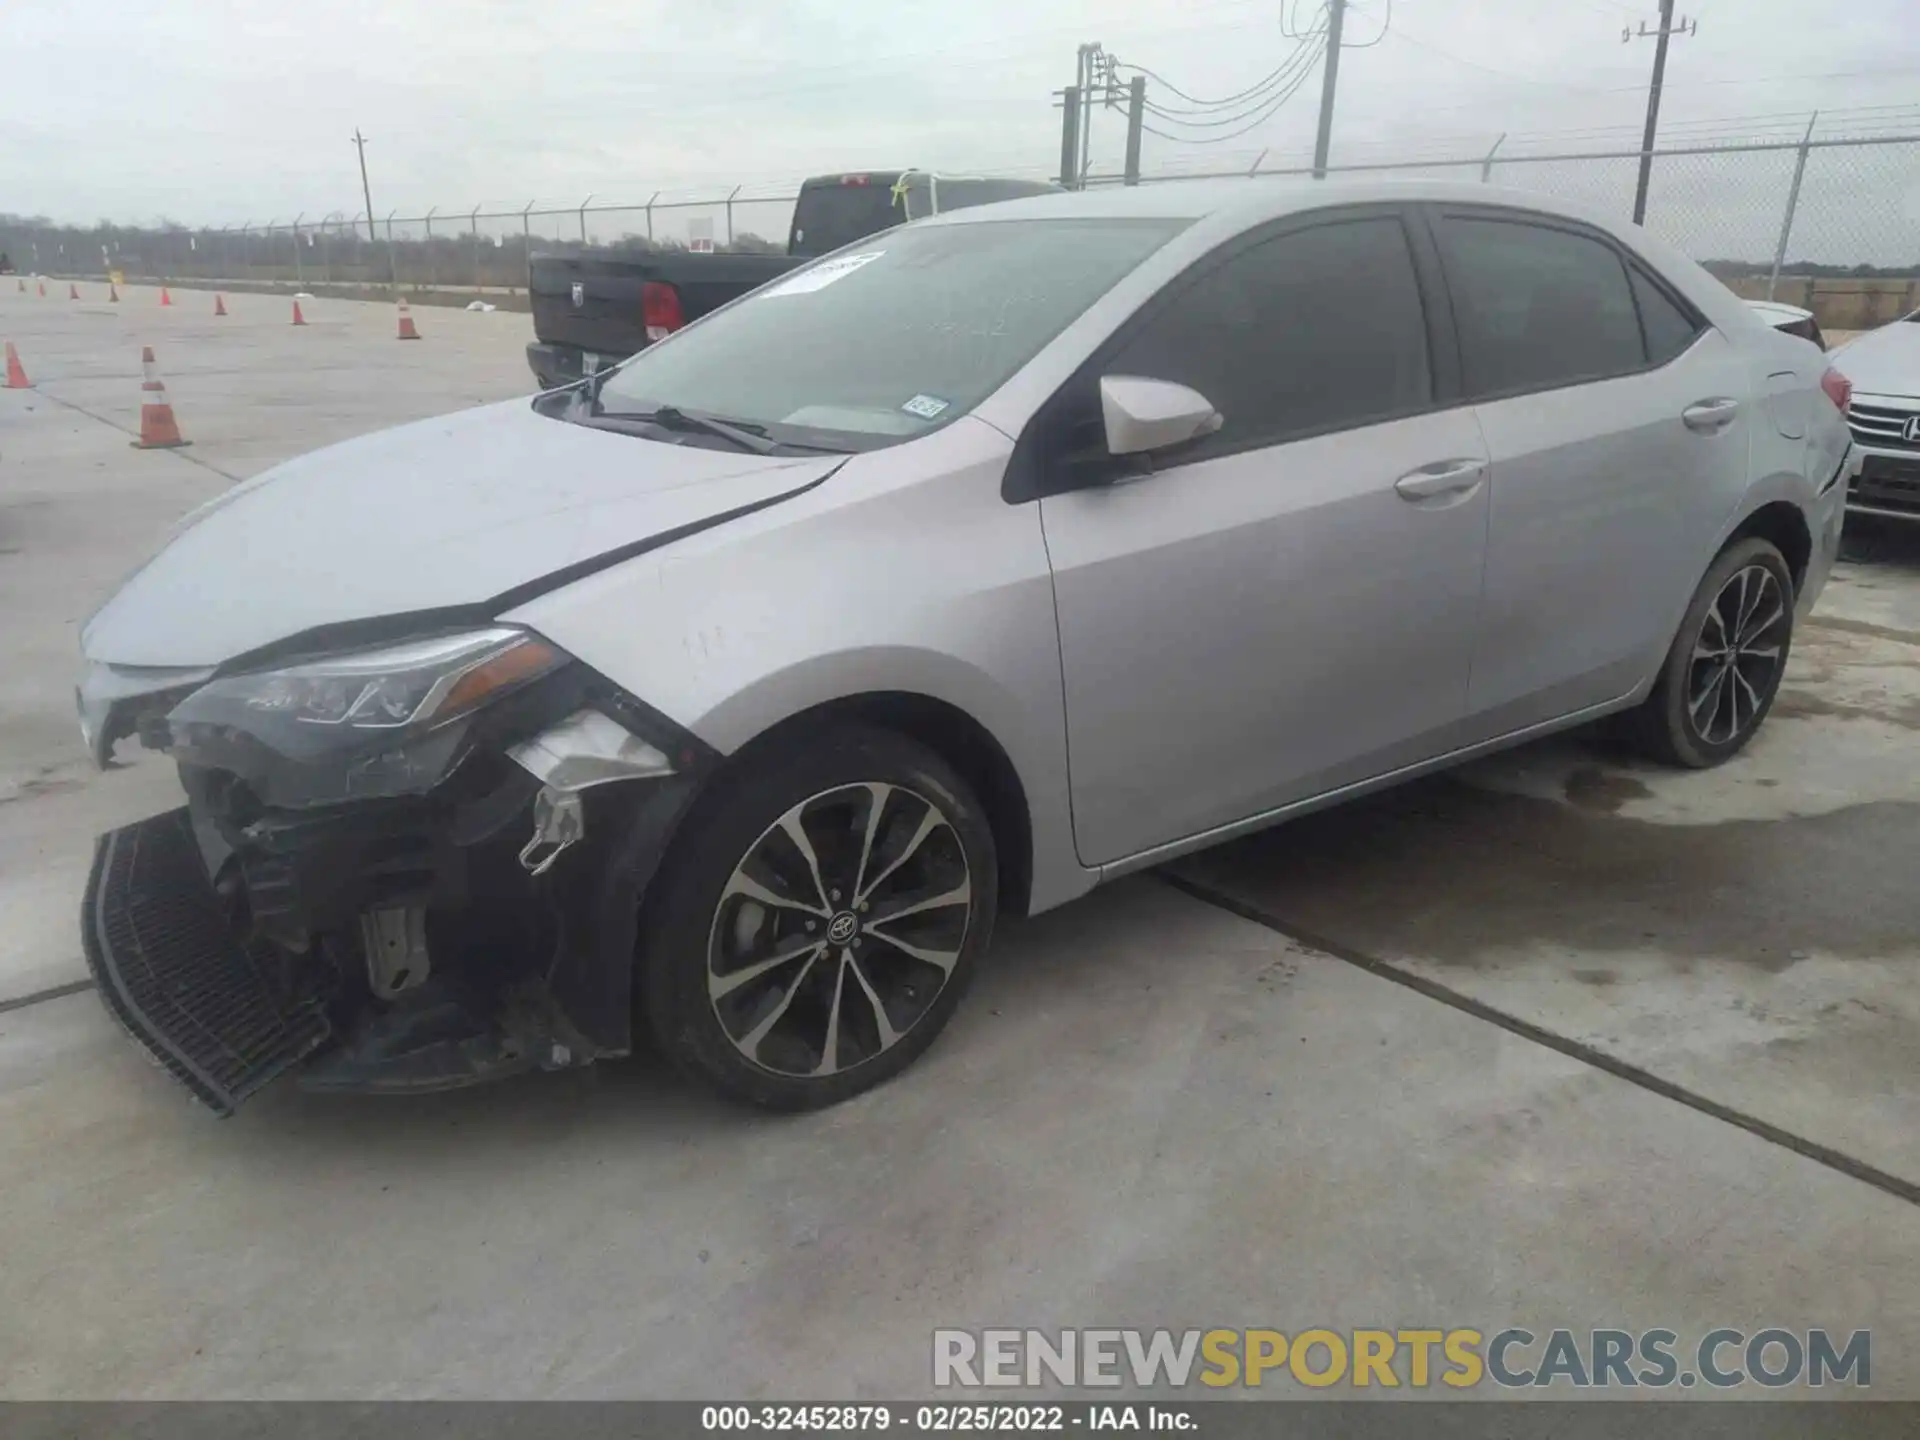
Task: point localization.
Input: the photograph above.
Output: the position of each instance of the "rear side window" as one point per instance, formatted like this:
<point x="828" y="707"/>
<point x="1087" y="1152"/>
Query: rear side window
<point x="1318" y="329"/>
<point x="839" y="211"/>
<point x="1669" y="329"/>
<point x="1537" y="306"/>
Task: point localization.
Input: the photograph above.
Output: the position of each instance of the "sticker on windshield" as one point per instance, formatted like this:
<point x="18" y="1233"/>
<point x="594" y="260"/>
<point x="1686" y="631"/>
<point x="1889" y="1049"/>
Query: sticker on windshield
<point x="822" y="275"/>
<point x="925" y="406"/>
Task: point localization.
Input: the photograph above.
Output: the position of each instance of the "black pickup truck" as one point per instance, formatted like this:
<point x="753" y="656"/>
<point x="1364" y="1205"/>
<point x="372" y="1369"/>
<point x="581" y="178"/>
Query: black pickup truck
<point x="594" y="311"/>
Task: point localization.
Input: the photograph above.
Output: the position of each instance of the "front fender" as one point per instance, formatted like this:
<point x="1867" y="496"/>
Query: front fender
<point x="905" y="573"/>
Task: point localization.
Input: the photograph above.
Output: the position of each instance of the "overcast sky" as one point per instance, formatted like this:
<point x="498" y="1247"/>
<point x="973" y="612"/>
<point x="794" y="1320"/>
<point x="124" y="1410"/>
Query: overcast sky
<point x="217" y="111"/>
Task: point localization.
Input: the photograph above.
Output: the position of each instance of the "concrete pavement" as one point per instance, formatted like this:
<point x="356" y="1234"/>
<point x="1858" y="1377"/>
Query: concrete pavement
<point x="1149" y="1113"/>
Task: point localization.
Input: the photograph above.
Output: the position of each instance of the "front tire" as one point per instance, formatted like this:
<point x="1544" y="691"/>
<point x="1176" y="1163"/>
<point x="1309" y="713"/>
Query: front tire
<point x="819" y="918"/>
<point x="1726" y="664"/>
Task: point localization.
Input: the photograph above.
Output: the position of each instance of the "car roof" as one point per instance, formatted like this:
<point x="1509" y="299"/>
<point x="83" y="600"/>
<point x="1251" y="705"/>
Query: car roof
<point x="1251" y="200"/>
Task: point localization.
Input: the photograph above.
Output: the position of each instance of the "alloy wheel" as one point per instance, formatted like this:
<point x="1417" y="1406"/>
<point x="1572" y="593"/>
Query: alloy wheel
<point x="1737" y="656"/>
<point x="838" y="929"/>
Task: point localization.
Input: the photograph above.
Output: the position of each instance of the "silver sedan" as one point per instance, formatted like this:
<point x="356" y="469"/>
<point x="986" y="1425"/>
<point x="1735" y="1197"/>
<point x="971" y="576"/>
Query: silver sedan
<point x="728" y="698"/>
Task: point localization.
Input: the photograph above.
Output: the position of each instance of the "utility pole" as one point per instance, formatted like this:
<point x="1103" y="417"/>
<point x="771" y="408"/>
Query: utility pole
<point x="1667" y="28"/>
<point x="1336" y="16"/>
<point x="360" y="144"/>
<point x="1136" y="117"/>
<point x="1090" y="76"/>
<point x="1070" y="138"/>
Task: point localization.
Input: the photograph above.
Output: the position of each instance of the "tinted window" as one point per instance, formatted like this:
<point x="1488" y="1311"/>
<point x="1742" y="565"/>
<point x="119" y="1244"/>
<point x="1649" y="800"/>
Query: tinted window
<point x="903" y="333"/>
<point x="1537" y="306"/>
<point x="1313" y="330"/>
<point x="1669" y="329"/>
<point x="832" y="213"/>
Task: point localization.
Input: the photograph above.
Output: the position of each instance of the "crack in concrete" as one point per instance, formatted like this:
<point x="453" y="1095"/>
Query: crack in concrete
<point x="112" y="424"/>
<point x="1837" y="1160"/>
<point x="1862" y="627"/>
<point x="40" y="997"/>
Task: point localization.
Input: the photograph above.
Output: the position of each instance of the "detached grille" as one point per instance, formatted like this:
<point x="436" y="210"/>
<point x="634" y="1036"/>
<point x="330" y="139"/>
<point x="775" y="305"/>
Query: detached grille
<point x="1883" y="425"/>
<point x="214" y="1012"/>
<point x="1888" y="482"/>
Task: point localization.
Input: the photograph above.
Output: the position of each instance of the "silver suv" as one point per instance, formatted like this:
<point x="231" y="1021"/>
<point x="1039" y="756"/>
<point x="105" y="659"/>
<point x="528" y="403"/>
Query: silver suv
<point x="1883" y="367"/>
<point x="730" y="696"/>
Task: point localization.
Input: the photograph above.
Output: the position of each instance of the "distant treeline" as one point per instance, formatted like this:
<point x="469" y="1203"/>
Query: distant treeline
<point x="1808" y="268"/>
<point x="334" y="253"/>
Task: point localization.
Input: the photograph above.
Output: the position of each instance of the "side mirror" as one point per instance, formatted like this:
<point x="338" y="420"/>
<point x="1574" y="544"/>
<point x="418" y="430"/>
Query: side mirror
<point x="1142" y="415"/>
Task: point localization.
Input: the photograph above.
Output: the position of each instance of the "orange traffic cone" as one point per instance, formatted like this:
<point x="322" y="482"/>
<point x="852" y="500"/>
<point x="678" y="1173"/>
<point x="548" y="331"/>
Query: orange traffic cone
<point x="73" y="291"/>
<point x="407" y="332"/>
<point x="298" y="318"/>
<point x="113" y="295"/>
<point x="165" y="298"/>
<point x="219" y="305"/>
<point x="158" y="429"/>
<point x="16" y="372"/>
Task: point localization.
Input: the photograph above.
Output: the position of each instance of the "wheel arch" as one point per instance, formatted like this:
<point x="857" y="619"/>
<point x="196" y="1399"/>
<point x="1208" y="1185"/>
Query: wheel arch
<point x="964" y="743"/>
<point x="1783" y="524"/>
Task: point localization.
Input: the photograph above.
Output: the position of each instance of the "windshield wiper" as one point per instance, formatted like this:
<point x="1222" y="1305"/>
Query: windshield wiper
<point x="671" y="417"/>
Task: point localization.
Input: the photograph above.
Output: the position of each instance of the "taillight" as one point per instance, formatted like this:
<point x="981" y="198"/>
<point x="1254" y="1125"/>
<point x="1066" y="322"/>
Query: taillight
<point x="660" y="309"/>
<point x="1838" y="389"/>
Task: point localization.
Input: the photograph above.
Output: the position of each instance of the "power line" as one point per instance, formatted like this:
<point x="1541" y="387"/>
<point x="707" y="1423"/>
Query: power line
<point x="1290" y="23"/>
<point x="1386" y="24"/>
<point x="1301" y="60"/>
<point x="1267" y="81"/>
<point x="1410" y="39"/>
<point x="1267" y="112"/>
<point x="1209" y="105"/>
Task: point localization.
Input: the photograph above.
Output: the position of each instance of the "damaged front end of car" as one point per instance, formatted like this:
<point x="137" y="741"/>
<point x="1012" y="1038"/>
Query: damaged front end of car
<point x="403" y="866"/>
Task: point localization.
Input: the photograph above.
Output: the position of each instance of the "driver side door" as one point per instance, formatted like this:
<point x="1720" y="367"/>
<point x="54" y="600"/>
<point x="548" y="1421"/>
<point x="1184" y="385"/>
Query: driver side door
<point x="1286" y="606"/>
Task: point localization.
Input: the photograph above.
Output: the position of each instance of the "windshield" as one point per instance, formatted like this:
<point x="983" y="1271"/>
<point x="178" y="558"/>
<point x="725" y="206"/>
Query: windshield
<point x="891" y="337"/>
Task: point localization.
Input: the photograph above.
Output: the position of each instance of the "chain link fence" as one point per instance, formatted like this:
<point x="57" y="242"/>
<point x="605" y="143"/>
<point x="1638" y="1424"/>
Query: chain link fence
<point x="475" y="249"/>
<point x="1798" y="220"/>
<point x="1832" y="225"/>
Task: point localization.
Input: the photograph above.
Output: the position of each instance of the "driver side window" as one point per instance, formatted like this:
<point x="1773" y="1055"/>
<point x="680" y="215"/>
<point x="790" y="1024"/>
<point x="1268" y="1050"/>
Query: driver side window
<point x="1313" y="330"/>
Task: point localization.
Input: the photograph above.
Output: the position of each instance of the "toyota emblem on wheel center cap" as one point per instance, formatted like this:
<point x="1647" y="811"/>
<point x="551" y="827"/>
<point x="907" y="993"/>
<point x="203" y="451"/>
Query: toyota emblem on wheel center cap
<point x="843" y="927"/>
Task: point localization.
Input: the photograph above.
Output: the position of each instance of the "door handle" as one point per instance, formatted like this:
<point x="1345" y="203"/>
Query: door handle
<point x="1443" y="477"/>
<point x="1707" y="416"/>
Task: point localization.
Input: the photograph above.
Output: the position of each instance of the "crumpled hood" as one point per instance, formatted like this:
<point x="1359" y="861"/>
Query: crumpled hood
<point x="456" y="511"/>
<point x="1884" y="361"/>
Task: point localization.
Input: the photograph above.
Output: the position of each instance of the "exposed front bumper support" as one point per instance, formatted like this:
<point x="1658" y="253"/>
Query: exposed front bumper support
<point x="227" y="1016"/>
<point x="223" y="1017"/>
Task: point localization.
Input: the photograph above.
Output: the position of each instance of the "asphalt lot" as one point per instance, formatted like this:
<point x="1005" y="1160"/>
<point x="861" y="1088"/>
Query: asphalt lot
<point x="1559" y="1040"/>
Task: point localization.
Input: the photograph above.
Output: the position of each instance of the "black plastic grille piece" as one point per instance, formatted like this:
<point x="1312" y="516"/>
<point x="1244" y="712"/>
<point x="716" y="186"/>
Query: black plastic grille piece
<point x="214" y="1011"/>
<point x="1887" y="482"/>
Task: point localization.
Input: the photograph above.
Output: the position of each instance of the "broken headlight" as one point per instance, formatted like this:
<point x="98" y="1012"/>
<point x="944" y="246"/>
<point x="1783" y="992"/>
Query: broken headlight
<point x="385" y="721"/>
<point x="423" y="683"/>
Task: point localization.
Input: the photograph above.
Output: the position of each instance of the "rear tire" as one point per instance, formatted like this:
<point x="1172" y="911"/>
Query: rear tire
<point x="1725" y="665"/>
<point x="819" y="918"/>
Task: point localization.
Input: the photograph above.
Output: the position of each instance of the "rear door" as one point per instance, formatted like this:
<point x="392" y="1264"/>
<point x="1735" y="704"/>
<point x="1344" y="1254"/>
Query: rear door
<point x="1617" y="423"/>
<point x="1288" y="605"/>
